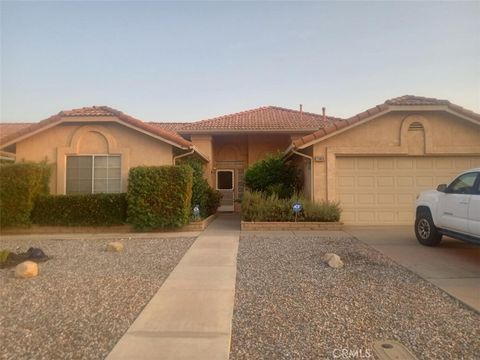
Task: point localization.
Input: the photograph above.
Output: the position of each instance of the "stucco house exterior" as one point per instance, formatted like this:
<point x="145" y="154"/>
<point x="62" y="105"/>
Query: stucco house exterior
<point x="374" y="163"/>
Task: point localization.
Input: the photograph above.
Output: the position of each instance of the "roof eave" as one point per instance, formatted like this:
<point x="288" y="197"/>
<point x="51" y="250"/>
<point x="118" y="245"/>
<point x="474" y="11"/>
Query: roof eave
<point x="251" y="131"/>
<point x="184" y="145"/>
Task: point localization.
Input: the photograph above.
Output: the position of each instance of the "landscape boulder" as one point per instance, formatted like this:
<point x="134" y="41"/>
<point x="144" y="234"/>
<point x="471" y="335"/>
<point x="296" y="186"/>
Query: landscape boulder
<point x="26" y="269"/>
<point x="333" y="260"/>
<point x="115" y="246"/>
<point x="36" y="253"/>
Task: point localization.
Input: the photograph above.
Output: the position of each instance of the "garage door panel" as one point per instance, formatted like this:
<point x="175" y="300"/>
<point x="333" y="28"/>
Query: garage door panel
<point x="385" y="199"/>
<point x="346" y="164"/>
<point x="427" y="181"/>
<point x="365" y="181"/>
<point x="363" y="199"/>
<point x="346" y="181"/>
<point x="404" y="164"/>
<point x="382" y="190"/>
<point x="385" y="181"/>
<point x="405" y="181"/>
<point x="347" y="199"/>
<point x="424" y="164"/>
<point x="365" y="164"/>
<point x="385" y="163"/>
<point x="405" y="199"/>
<point x="444" y="164"/>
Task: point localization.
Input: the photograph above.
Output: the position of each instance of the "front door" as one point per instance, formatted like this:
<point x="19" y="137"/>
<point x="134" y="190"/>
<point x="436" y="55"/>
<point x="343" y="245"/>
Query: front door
<point x="225" y="181"/>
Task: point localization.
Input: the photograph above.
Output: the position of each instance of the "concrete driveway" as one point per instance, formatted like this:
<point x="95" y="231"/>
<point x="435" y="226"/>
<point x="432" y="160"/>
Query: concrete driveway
<point x="454" y="266"/>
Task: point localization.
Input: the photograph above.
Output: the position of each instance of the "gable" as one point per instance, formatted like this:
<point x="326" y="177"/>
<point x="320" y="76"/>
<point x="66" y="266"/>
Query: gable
<point x="407" y="103"/>
<point x="416" y="132"/>
<point x="95" y="114"/>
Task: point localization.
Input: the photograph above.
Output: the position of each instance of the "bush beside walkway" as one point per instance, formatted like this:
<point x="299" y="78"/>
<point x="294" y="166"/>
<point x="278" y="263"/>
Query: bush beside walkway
<point x="258" y="207"/>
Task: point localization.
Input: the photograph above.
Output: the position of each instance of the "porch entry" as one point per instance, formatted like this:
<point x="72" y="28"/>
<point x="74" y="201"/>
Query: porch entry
<point x="226" y="185"/>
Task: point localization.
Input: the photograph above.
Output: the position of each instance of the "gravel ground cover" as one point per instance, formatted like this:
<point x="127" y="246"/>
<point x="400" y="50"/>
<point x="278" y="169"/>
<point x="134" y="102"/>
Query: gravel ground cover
<point x="84" y="298"/>
<point x="290" y="305"/>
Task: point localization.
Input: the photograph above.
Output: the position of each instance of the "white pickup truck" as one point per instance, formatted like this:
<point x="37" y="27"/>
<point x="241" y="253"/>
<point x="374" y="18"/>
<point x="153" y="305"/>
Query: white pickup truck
<point x="452" y="210"/>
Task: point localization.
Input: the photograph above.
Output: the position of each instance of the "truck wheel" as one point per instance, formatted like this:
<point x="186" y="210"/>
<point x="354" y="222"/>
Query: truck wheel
<point x="425" y="230"/>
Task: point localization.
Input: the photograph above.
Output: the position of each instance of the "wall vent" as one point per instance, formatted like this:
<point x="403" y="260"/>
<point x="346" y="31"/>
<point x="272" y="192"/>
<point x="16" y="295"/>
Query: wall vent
<point x="415" y="126"/>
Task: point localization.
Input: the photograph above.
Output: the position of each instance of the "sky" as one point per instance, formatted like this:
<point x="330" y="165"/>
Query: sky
<point x="187" y="61"/>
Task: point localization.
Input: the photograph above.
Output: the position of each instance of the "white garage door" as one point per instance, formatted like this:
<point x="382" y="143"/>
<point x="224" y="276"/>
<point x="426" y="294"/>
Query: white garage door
<point x="382" y="190"/>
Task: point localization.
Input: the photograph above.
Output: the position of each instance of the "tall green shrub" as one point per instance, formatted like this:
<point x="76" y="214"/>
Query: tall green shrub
<point x="159" y="196"/>
<point x="199" y="187"/>
<point x="203" y="195"/>
<point x="273" y="175"/>
<point x="80" y="210"/>
<point x="20" y="185"/>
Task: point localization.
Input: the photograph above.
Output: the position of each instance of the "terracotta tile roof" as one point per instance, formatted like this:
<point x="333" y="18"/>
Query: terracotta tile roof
<point x="416" y="100"/>
<point x="406" y="100"/>
<point x="7" y="129"/>
<point x="89" y="111"/>
<point x="269" y="118"/>
<point x="172" y="126"/>
<point x="164" y="133"/>
<point x="96" y="111"/>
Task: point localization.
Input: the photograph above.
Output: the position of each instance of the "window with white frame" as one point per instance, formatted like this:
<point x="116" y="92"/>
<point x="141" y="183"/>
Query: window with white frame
<point x="89" y="174"/>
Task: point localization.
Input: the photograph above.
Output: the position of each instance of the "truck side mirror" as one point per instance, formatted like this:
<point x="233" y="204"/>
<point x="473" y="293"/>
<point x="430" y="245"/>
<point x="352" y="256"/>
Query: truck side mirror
<point x="442" y="187"/>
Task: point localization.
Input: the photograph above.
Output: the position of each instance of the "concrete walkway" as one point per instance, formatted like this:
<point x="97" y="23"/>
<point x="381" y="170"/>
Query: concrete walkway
<point x="190" y="317"/>
<point x="453" y="266"/>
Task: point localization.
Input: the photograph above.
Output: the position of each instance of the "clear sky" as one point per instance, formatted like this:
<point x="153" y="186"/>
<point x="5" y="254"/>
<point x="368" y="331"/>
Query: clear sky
<point x="161" y="61"/>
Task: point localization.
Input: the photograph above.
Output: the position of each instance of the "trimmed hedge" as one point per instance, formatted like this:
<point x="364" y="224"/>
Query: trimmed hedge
<point x="159" y="196"/>
<point x="80" y="210"/>
<point x="257" y="206"/>
<point x="20" y="185"/>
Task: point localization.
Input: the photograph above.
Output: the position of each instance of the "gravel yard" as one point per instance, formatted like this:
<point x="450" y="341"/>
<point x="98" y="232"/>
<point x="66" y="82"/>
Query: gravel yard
<point x="84" y="298"/>
<point x="290" y="305"/>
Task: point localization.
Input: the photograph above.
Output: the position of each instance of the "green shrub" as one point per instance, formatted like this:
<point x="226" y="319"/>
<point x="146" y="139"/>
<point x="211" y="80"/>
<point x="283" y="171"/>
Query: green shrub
<point x="273" y="175"/>
<point x="4" y="254"/>
<point x="213" y="200"/>
<point x="199" y="187"/>
<point x="20" y="185"/>
<point x="80" y="210"/>
<point x="159" y="196"/>
<point x="257" y="206"/>
<point x="203" y="195"/>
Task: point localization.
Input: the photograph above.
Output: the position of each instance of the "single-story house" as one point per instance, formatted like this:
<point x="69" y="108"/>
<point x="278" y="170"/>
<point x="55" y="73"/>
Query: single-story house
<point x="374" y="163"/>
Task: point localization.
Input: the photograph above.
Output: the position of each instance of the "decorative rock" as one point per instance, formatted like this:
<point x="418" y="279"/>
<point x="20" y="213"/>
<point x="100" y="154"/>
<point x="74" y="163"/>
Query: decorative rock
<point x="115" y="246"/>
<point x="36" y="253"/>
<point x="333" y="260"/>
<point x="26" y="269"/>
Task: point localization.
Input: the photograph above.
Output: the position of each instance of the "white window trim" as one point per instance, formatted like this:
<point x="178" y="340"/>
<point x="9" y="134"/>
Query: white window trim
<point x="93" y="167"/>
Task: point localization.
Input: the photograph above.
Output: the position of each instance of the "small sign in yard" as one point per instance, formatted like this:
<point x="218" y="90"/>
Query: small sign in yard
<point x="296" y="207"/>
<point x="196" y="211"/>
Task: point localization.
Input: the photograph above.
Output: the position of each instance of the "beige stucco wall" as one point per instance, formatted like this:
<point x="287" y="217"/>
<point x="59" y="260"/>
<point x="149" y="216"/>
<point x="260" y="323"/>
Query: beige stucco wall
<point x="56" y="143"/>
<point x="444" y="134"/>
<point x="204" y="144"/>
<point x="261" y="145"/>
